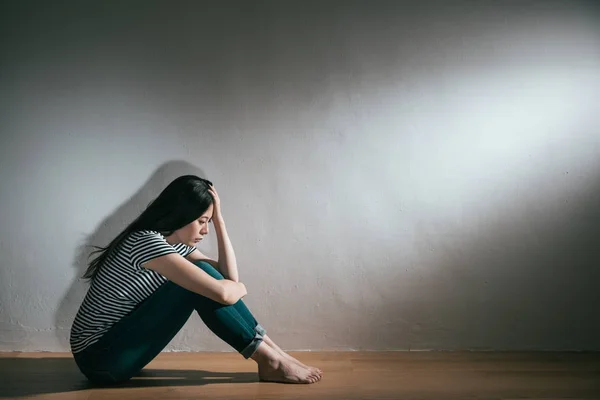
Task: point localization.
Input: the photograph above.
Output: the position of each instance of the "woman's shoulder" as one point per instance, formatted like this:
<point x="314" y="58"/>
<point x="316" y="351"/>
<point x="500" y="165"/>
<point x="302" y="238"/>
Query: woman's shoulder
<point x="144" y="234"/>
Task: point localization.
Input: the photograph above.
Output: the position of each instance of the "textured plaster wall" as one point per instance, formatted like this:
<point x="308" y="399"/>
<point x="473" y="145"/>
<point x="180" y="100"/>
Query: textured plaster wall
<point x="393" y="176"/>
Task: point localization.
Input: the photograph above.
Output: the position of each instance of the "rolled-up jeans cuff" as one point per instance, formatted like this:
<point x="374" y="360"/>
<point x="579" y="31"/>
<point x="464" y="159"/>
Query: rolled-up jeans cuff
<point x="259" y="328"/>
<point x="259" y="333"/>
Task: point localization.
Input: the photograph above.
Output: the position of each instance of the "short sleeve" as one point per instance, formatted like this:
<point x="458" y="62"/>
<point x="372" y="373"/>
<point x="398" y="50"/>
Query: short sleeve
<point x="147" y="246"/>
<point x="184" y="249"/>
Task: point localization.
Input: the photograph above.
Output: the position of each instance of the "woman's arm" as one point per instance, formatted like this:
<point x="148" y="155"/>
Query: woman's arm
<point x="234" y="290"/>
<point x="197" y="255"/>
<point x="185" y="274"/>
<point x="227" y="262"/>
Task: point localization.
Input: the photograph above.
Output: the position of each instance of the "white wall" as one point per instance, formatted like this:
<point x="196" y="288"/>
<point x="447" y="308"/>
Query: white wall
<point x="392" y="176"/>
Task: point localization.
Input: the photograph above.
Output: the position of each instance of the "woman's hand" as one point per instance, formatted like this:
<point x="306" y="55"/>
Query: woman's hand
<point x="243" y="290"/>
<point x="234" y="291"/>
<point x="216" y="202"/>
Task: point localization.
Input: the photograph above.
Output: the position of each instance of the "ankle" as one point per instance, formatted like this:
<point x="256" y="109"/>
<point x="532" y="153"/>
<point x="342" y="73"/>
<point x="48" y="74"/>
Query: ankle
<point x="265" y="354"/>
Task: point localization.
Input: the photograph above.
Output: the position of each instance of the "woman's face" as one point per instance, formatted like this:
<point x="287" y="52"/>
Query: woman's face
<point x="195" y="231"/>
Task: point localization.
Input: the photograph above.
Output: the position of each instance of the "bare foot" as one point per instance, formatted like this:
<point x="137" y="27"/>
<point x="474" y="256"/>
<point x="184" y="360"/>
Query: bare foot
<point x="285" y="371"/>
<point x="282" y="353"/>
<point x="296" y="361"/>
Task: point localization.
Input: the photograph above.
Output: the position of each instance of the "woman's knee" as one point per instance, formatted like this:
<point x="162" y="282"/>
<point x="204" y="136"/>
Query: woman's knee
<point x="209" y="269"/>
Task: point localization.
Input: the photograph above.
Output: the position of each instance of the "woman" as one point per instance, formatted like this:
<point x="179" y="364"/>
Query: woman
<point x="149" y="279"/>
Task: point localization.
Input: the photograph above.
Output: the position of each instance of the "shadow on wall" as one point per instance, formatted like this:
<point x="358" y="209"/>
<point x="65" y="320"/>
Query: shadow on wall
<point x="107" y="230"/>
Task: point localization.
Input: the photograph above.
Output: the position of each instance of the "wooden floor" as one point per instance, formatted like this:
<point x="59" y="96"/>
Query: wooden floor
<point x="347" y="375"/>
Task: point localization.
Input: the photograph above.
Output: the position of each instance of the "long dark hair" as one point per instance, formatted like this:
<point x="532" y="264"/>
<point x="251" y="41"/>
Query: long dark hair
<point x="185" y="199"/>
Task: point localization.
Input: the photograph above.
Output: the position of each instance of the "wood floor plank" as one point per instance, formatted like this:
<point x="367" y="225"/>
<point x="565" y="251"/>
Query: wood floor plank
<point x="347" y="375"/>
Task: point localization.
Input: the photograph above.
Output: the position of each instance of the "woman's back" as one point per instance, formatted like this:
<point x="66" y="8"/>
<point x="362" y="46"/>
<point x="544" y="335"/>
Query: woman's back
<point x="120" y="285"/>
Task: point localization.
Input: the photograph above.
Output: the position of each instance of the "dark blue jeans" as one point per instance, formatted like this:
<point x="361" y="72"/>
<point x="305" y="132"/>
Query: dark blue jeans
<point x="139" y="337"/>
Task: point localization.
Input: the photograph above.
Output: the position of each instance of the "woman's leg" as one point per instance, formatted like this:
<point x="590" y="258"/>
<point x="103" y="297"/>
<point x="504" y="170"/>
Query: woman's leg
<point x="249" y="319"/>
<point x="138" y="338"/>
<point x="261" y="334"/>
<point x="242" y="311"/>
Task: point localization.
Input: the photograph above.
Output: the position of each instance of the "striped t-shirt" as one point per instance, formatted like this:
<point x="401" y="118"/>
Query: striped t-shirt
<point x="120" y="285"/>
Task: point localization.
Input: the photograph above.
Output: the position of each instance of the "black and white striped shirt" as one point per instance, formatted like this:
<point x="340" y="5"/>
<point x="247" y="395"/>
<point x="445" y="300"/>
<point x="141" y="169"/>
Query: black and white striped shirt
<point x="120" y="285"/>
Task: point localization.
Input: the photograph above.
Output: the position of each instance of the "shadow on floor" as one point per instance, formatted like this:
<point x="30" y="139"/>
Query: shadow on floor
<point x="35" y="376"/>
